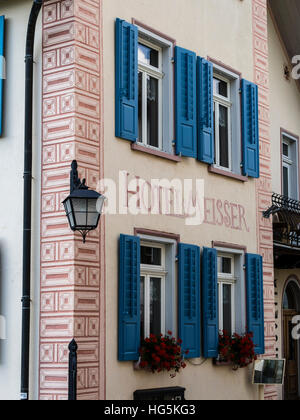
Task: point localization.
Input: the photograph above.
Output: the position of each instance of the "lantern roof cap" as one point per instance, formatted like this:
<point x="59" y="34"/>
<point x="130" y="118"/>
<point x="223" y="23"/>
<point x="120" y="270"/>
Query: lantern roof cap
<point x="83" y="193"/>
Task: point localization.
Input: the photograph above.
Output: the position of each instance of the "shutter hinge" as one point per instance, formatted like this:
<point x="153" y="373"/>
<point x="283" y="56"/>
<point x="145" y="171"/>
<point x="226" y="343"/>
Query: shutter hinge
<point x="176" y="258"/>
<point x="240" y="91"/>
<point x="172" y="60"/>
<point x="244" y="267"/>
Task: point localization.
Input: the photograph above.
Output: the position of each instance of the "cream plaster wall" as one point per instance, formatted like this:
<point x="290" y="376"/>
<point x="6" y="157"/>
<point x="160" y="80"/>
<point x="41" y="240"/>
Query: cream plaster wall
<point x="284" y="102"/>
<point x="11" y="209"/>
<point x="221" y="29"/>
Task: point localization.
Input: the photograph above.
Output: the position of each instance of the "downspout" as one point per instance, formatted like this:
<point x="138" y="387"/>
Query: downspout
<point x="36" y="7"/>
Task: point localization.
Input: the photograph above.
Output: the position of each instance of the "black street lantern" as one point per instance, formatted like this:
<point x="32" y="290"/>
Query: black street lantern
<point x="83" y="206"/>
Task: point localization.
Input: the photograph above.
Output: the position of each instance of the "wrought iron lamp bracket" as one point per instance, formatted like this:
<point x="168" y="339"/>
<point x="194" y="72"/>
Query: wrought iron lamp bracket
<point x="75" y="182"/>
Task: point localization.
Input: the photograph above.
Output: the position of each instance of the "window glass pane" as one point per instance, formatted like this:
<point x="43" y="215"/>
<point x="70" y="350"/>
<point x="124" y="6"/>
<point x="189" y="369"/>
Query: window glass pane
<point x="223" y="136"/>
<point x="155" y="305"/>
<point x="289" y="299"/>
<point x="224" y="265"/>
<point x="152" y="111"/>
<point x="285" y="181"/>
<point x="220" y="87"/>
<point x="285" y="149"/>
<point x="142" y="308"/>
<point x="150" y="255"/>
<point x="147" y="55"/>
<point x="140" y="106"/>
<point x="227" y="322"/>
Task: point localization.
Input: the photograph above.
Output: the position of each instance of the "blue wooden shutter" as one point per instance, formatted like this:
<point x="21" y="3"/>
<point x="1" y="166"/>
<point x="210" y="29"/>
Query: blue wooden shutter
<point x="129" y="297"/>
<point x="185" y="94"/>
<point x="206" y="144"/>
<point x="189" y="299"/>
<point x="255" y="300"/>
<point x="210" y="303"/>
<point x="2" y="70"/>
<point x="126" y="80"/>
<point x="250" y="129"/>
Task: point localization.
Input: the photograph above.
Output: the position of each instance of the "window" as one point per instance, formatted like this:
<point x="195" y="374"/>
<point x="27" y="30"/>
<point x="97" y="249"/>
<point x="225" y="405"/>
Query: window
<point x="226" y="284"/>
<point x="150" y="94"/>
<point x="152" y="290"/>
<point x="231" y="291"/>
<point x="289" y="167"/>
<point x="222" y="120"/>
<point x="227" y="123"/>
<point x="155" y="91"/>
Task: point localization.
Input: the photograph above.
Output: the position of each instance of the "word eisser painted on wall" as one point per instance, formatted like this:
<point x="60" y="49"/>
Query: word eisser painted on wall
<point x="184" y="199"/>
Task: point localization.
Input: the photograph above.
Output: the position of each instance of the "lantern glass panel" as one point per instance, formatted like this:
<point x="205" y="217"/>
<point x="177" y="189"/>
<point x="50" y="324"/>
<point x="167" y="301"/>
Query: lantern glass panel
<point x="100" y="203"/>
<point x="80" y="211"/>
<point x="92" y="215"/>
<point x="68" y="209"/>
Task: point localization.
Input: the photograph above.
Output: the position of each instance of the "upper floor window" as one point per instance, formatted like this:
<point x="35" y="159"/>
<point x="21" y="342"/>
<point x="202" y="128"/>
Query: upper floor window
<point x="290" y="167"/>
<point x="155" y="91"/>
<point x="222" y="120"/>
<point x="150" y="94"/>
<point x="227" y="123"/>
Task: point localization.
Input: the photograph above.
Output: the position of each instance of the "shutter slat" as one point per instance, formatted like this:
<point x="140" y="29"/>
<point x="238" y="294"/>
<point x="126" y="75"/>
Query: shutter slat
<point x="255" y="300"/>
<point x="210" y="303"/>
<point x="189" y="299"/>
<point x="185" y="93"/>
<point x="129" y="297"/>
<point x="126" y="80"/>
<point x="206" y="146"/>
<point x="250" y="129"/>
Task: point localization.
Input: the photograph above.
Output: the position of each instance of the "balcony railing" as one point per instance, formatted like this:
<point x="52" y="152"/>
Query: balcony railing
<point x="286" y="220"/>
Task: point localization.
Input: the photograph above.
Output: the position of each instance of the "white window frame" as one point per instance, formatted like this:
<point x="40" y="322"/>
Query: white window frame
<point x="226" y="103"/>
<point x="228" y="279"/>
<point x="157" y="271"/>
<point x="234" y="124"/>
<point x="170" y="300"/>
<point x="239" y="288"/>
<point x="156" y="73"/>
<point x="291" y="165"/>
<point x="167" y="87"/>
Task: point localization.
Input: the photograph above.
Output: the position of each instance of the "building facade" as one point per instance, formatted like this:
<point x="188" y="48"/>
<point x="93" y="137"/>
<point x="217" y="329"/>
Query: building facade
<point x="183" y="117"/>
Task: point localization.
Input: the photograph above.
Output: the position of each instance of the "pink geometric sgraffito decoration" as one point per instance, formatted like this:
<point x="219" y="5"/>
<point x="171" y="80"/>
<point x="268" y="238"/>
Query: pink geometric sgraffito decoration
<point x="264" y="184"/>
<point x="72" y="282"/>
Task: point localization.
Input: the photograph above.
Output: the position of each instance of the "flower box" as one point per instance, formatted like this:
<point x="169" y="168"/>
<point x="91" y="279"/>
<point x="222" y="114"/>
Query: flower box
<point x="237" y="350"/>
<point x="161" y="353"/>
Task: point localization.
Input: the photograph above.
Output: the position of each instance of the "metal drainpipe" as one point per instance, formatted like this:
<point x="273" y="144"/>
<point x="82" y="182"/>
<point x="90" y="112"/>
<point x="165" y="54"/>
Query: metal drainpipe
<point x="36" y="7"/>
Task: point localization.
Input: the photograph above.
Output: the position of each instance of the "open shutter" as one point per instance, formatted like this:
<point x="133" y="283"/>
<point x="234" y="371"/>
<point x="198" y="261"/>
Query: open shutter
<point x="250" y="129"/>
<point x="126" y="80"/>
<point x="129" y="297"/>
<point x="189" y="299"/>
<point x="2" y="69"/>
<point x="185" y="93"/>
<point x="206" y="146"/>
<point x="255" y="300"/>
<point x="210" y="303"/>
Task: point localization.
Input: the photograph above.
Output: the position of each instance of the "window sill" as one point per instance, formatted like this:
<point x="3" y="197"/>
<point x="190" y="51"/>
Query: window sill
<point x="164" y="155"/>
<point x="217" y="171"/>
<point x="217" y="362"/>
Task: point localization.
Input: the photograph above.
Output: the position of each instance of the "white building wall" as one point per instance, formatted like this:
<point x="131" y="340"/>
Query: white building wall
<point x="11" y="200"/>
